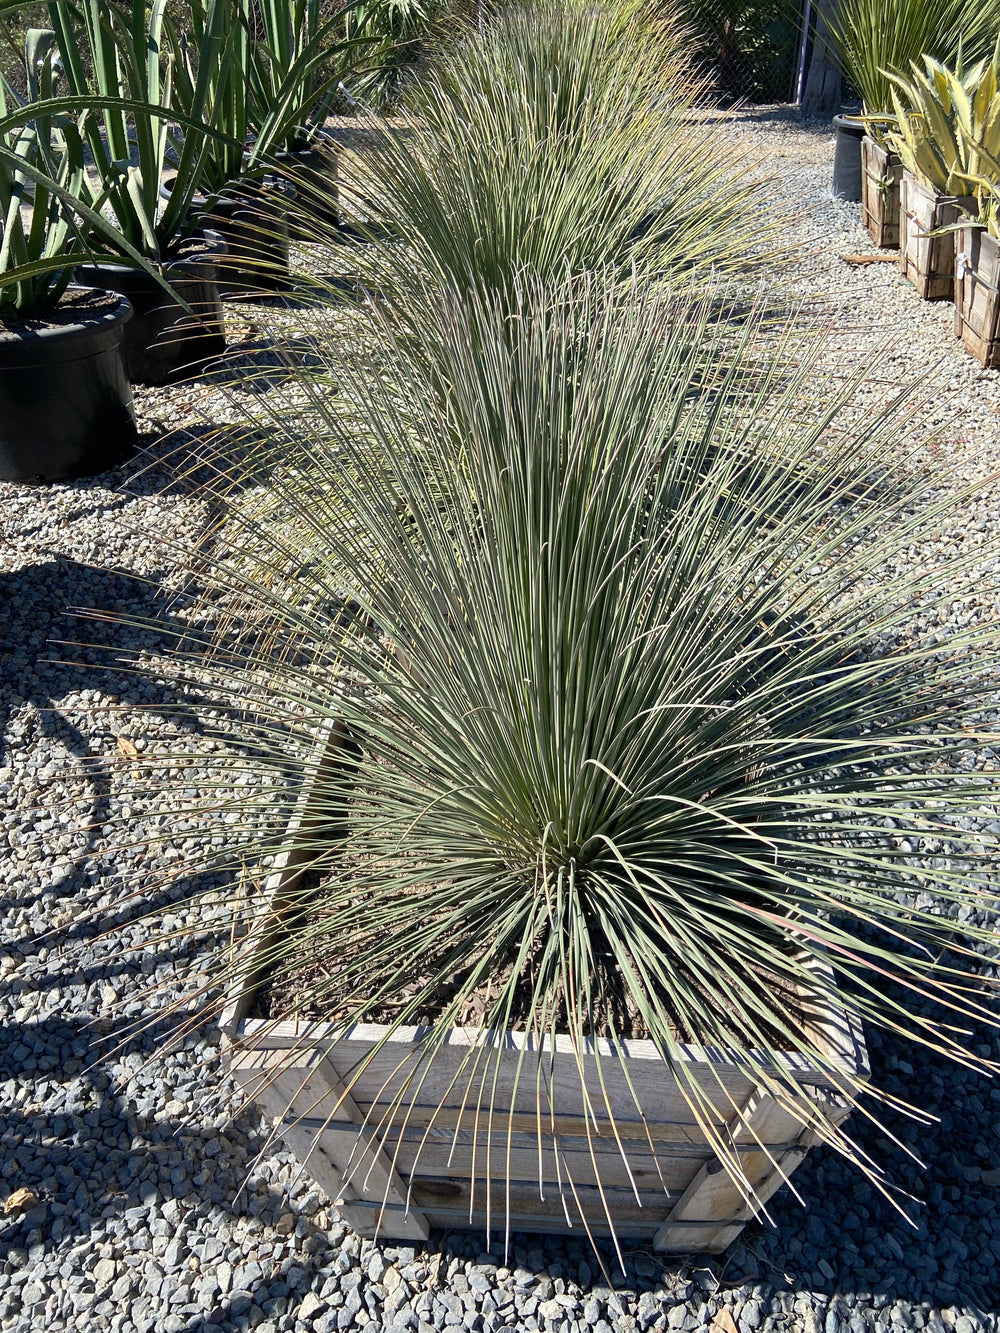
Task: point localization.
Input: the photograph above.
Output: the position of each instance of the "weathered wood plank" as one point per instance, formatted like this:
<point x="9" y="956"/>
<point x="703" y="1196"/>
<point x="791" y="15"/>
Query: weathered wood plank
<point x="927" y="254"/>
<point x="977" y="294"/>
<point x="439" y="1157"/>
<point x="354" y="1167"/>
<point x="668" y="1136"/>
<point x="457" y="1197"/>
<point x="713" y="1194"/>
<point x="881" y="173"/>
<point x="310" y="820"/>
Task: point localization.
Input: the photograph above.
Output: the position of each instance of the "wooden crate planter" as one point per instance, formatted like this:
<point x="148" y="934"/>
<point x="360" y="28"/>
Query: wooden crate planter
<point x="926" y="254"/>
<point x="881" y="173"/>
<point x="686" y="1200"/>
<point x="977" y="293"/>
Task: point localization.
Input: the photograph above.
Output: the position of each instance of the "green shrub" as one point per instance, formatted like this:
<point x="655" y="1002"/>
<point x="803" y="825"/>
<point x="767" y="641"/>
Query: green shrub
<point x="561" y="140"/>
<point x="642" y="721"/>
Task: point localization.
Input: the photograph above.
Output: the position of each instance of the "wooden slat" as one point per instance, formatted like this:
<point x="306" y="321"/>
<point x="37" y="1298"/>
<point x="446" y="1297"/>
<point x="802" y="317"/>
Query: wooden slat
<point x="977" y="294"/>
<point x="353" y="1167"/>
<point x="390" y="1069"/>
<point x="678" y="1136"/>
<point x="458" y="1200"/>
<point x="713" y="1194"/>
<point x="881" y="173"/>
<point x="309" y="824"/>
<point x="576" y="1161"/>
<point x="645" y="1063"/>
<point x="927" y="255"/>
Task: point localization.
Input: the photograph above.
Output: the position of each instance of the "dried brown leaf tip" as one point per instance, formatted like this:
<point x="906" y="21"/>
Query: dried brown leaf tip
<point x="723" y="1323"/>
<point x="130" y="751"/>
<point x="21" y="1200"/>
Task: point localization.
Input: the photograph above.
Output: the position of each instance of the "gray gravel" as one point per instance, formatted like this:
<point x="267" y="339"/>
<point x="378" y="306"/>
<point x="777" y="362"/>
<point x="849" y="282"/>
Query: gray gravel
<point x="145" y="1205"/>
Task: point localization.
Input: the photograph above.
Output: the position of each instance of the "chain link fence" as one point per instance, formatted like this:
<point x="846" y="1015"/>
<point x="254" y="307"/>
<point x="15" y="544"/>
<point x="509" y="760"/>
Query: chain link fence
<point x="750" y="49"/>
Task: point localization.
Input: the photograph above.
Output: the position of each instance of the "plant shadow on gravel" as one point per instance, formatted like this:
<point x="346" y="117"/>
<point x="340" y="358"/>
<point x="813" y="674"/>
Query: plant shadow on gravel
<point x="51" y="649"/>
<point x="37" y="602"/>
<point x="189" y="461"/>
<point x="93" y="1155"/>
<point x="848" y="1240"/>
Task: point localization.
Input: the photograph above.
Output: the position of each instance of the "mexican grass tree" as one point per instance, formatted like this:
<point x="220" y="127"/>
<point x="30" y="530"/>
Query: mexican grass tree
<point x="643" y="723"/>
<point x="872" y="37"/>
<point x="559" y="139"/>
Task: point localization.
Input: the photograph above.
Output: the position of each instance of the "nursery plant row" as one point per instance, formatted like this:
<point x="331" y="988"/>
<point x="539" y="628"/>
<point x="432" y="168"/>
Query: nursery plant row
<point x="924" y="155"/>
<point x="151" y="152"/>
<point x="576" y="742"/>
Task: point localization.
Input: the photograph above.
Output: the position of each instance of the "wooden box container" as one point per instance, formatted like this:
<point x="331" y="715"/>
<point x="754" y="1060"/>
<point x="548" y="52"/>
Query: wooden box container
<point x="926" y="254"/>
<point x="977" y="293"/>
<point x="307" y="1076"/>
<point x="881" y="173"/>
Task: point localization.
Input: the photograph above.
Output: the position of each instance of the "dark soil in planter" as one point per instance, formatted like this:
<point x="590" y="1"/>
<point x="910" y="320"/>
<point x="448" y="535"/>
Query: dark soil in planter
<point x="75" y="305"/>
<point x="289" y="994"/>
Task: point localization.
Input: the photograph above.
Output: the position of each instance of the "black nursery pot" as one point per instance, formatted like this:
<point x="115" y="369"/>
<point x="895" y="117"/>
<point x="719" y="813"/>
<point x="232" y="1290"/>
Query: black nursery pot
<point x="164" y="343"/>
<point x="65" y="401"/>
<point x="847" y="158"/>
<point x="252" y="219"/>
<point x="312" y="170"/>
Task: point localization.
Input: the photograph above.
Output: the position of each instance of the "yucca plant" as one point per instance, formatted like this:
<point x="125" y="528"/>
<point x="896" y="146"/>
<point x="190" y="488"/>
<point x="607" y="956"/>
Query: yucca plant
<point x="255" y="72"/>
<point x="46" y="204"/>
<point x="586" y="109"/>
<point x="871" y="37"/>
<point x="947" y="125"/>
<point x="211" y="61"/>
<point x="297" y="55"/>
<point x="624" y="630"/>
<point x="396" y="32"/>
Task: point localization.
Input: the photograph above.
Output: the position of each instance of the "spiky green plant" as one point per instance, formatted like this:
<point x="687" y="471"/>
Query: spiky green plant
<point x="247" y="70"/>
<point x="116" y="80"/>
<point x="395" y="32"/>
<point x="624" y="629"/>
<point x="560" y="139"/>
<point x="46" y="204"/>
<point x="297" y="55"/>
<point x="947" y="122"/>
<point x="873" y="36"/>
<point x="39" y="231"/>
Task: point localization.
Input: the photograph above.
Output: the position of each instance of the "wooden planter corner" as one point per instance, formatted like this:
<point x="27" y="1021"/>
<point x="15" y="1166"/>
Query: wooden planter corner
<point x="977" y="293"/>
<point x="926" y="254"/>
<point x="305" y="1075"/>
<point x="881" y="173"/>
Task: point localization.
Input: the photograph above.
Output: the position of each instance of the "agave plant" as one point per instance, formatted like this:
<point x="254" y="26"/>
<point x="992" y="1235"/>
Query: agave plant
<point x="116" y="58"/>
<point x="587" y="110"/>
<point x="210" y="79"/>
<point x="872" y="37"/>
<point x="46" y="207"/>
<point x="642" y="728"/>
<point x="35" y="246"/>
<point x="947" y="126"/>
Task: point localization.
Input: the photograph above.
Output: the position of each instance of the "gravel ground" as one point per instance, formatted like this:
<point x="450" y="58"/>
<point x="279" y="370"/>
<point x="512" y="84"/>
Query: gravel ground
<point x="137" y="1197"/>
